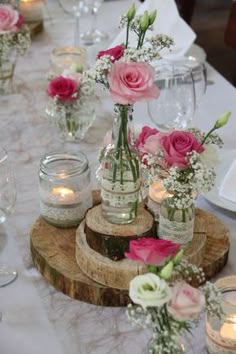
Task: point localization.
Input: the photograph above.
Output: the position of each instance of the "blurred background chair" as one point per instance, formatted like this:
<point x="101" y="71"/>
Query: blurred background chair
<point x="230" y="32"/>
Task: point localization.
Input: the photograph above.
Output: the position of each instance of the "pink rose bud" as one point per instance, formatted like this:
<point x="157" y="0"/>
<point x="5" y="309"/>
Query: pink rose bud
<point x="9" y="19"/>
<point x="132" y="82"/>
<point x="151" y="250"/>
<point x="177" y="145"/>
<point x="116" y="52"/>
<point x="64" y="88"/>
<point x="186" y="302"/>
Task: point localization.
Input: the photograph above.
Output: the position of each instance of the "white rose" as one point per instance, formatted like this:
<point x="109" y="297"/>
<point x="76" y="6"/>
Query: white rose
<point x="149" y="290"/>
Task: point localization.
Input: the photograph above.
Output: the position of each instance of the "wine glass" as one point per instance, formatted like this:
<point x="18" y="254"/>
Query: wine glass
<point x="7" y="202"/>
<point x="74" y="8"/>
<point x="175" y="106"/>
<point x="199" y="73"/>
<point x="93" y="35"/>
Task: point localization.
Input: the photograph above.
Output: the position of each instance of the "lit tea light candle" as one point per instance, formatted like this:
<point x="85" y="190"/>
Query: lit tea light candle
<point x="63" y="194"/>
<point x="157" y="191"/>
<point x="228" y="330"/>
<point x="31" y="10"/>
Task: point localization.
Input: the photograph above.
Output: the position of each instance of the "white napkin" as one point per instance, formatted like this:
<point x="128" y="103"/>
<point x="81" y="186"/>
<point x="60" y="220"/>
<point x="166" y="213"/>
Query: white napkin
<point x="168" y="22"/>
<point x="228" y="185"/>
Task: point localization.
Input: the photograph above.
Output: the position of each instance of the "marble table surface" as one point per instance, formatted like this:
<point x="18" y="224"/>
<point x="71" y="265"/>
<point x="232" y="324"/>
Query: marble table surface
<point x="47" y="320"/>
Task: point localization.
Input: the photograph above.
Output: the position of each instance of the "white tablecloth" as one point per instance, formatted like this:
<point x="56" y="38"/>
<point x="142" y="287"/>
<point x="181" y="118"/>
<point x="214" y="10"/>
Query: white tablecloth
<point x="36" y="317"/>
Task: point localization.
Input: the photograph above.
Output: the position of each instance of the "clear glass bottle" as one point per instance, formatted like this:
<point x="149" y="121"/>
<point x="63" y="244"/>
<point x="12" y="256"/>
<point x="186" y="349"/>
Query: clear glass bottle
<point x="65" y="190"/>
<point x="175" y="224"/>
<point x="120" y="175"/>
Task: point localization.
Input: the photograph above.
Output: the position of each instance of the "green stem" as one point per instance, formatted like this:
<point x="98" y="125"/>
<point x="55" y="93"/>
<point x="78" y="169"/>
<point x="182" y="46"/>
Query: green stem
<point x="208" y="134"/>
<point x="127" y="35"/>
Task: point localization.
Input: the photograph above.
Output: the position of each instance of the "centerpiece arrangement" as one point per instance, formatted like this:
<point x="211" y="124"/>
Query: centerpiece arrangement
<point x="71" y="107"/>
<point x="163" y="300"/>
<point x="185" y="161"/>
<point x="126" y="73"/>
<point x="14" y="40"/>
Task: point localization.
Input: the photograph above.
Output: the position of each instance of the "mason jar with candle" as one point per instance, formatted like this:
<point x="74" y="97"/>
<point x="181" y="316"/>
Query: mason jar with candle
<point x="68" y="57"/>
<point x="65" y="190"/>
<point x="31" y="10"/>
<point x="221" y="333"/>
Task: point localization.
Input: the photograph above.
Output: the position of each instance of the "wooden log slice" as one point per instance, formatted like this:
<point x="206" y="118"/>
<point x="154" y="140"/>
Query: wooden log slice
<point x="53" y="253"/>
<point x="112" y="240"/>
<point x="102" y="269"/>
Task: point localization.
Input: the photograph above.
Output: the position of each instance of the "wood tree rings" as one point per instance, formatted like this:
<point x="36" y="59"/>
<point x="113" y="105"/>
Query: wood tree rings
<point x="112" y="240"/>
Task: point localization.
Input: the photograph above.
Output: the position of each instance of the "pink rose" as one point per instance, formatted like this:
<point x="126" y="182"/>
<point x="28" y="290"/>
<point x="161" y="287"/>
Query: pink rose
<point x="116" y="52"/>
<point x="151" y="250"/>
<point x="9" y="19"/>
<point x="20" y="21"/>
<point x="145" y="133"/>
<point x="132" y="82"/>
<point x="186" y="302"/>
<point x="64" y="88"/>
<point x="176" y="145"/>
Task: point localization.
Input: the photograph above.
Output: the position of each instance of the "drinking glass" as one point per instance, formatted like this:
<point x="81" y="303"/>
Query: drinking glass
<point x="7" y="202"/>
<point x="73" y="8"/>
<point x="93" y="35"/>
<point x="175" y="106"/>
<point x="199" y="73"/>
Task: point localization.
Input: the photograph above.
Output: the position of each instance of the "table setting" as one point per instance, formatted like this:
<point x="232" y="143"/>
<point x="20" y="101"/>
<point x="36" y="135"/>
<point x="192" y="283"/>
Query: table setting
<point x="113" y="239"/>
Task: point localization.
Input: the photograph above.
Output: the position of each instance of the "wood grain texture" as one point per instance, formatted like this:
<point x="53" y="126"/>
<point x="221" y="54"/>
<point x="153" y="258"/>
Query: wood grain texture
<point x="53" y="252"/>
<point x="112" y="240"/>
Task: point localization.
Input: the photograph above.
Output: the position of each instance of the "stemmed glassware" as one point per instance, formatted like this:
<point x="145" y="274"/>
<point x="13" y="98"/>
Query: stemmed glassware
<point x="93" y="35"/>
<point x="74" y="8"/>
<point x="174" y="109"/>
<point x="7" y="203"/>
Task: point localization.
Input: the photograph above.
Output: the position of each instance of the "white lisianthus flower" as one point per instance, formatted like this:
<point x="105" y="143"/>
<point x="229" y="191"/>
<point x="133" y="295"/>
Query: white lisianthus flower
<point x="210" y="156"/>
<point x="149" y="290"/>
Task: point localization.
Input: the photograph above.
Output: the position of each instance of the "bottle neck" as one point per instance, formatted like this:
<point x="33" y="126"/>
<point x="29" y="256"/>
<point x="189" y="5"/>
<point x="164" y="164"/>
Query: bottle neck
<point x="122" y="132"/>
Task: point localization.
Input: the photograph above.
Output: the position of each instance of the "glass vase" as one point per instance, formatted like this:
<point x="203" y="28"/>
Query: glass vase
<point x="120" y="175"/>
<point x="175" y="224"/>
<point x="7" y="67"/>
<point x="72" y="120"/>
<point x="181" y="346"/>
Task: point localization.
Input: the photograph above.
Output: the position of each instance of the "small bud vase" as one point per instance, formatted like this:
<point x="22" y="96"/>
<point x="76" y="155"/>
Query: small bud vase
<point x="120" y="174"/>
<point x="72" y="120"/>
<point x="176" y="224"/>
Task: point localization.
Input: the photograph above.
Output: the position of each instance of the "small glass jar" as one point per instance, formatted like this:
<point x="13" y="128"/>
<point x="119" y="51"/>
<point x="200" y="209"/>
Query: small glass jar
<point x="221" y="334"/>
<point x="32" y="10"/>
<point x="64" y="57"/>
<point x="176" y="225"/>
<point x="65" y="190"/>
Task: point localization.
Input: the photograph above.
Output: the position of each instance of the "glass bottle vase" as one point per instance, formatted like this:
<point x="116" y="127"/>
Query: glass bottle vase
<point x="176" y="224"/>
<point x="120" y="175"/>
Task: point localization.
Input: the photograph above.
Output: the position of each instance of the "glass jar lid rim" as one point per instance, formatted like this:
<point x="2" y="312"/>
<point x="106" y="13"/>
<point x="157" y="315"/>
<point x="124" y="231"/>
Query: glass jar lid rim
<point x="79" y="157"/>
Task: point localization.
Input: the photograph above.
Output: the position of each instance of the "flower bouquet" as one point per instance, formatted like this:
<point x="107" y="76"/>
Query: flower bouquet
<point x="14" y="40"/>
<point x="163" y="300"/>
<point x="185" y="160"/>
<point x="125" y="72"/>
<point x="71" y="107"/>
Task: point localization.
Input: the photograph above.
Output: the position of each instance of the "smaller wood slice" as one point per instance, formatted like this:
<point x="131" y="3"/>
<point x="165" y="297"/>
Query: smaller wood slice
<point x="111" y="240"/>
<point x="102" y="269"/>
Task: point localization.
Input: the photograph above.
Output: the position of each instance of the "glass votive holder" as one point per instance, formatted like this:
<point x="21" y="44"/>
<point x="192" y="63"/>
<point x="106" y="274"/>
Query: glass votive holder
<point x="63" y="58"/>
<point x="221" y="334"/>
<point x="65" y="189"/>
<point x="31" y="10"/>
